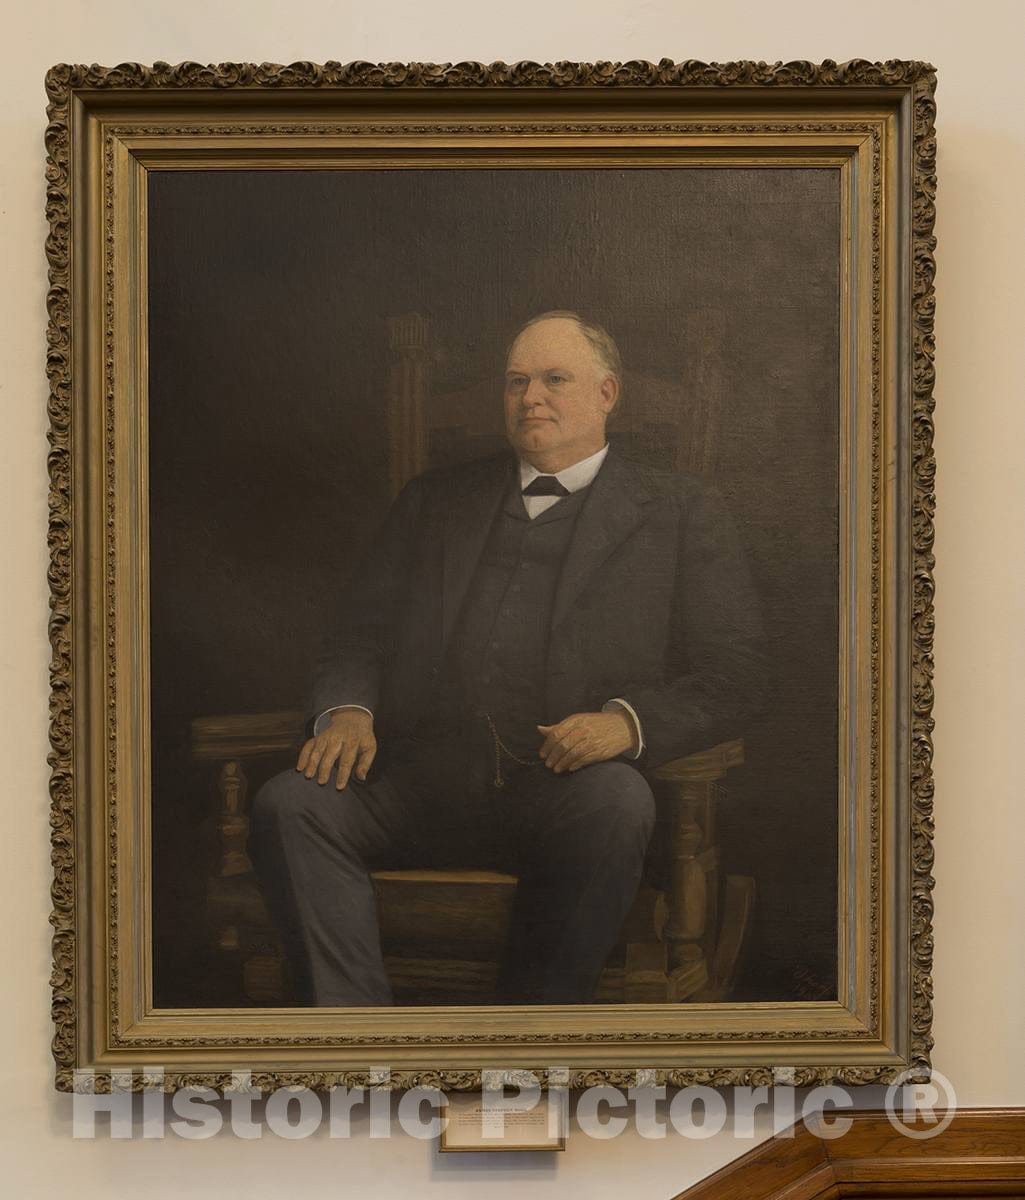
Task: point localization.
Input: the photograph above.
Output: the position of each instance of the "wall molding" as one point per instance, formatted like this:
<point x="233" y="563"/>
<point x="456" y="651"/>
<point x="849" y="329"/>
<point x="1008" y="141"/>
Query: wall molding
<point x="981" y="1153"/>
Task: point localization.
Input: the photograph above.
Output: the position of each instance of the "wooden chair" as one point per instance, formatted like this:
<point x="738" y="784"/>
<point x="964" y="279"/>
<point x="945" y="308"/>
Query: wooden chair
<point x="442" y="931"/>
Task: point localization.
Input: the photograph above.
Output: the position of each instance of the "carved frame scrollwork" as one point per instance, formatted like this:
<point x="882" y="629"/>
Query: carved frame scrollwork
<point x="106" y="127"/>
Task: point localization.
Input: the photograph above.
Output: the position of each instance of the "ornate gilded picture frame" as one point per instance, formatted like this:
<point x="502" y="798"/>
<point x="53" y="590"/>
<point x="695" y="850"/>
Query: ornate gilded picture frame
<point x="286" y="300"/>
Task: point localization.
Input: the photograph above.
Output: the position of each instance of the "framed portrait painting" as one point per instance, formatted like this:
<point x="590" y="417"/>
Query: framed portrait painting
<point x="491" y="531"/>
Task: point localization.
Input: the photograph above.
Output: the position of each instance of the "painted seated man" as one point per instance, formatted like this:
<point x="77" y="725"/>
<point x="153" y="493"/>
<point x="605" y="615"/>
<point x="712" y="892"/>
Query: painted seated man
<point x="528" y="636"/>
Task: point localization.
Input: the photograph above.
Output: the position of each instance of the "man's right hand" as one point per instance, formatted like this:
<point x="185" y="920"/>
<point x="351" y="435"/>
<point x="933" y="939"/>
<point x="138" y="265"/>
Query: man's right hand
<point x="348" y="740"/>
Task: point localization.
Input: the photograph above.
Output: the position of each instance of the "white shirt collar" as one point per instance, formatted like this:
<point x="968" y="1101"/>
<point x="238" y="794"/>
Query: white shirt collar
<point x="573" y="478"/>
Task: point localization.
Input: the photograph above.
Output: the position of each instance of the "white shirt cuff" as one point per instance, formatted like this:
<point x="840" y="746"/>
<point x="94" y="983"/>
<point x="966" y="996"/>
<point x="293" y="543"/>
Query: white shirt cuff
<point x="337" y="708"/>
<point x="634" y="718"/>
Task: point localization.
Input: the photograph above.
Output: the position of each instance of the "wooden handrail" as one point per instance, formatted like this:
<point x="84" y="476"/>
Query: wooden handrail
<point x="981" y="1153"/>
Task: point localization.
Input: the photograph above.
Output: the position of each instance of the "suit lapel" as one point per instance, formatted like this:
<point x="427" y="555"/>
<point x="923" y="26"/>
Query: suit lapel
<point x="465" y="531"/>
<point x="614" y="509"/>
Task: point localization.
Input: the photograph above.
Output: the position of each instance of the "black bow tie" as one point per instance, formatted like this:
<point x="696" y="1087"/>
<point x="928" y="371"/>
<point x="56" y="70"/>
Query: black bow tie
<point x="545" y="485"/>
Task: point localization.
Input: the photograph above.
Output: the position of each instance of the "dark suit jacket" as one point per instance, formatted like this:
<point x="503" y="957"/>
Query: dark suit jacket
<point x="655" y="605"/>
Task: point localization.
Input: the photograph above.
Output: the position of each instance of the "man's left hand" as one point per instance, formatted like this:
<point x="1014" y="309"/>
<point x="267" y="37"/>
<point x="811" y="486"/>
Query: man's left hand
<point x="585" y="738"/>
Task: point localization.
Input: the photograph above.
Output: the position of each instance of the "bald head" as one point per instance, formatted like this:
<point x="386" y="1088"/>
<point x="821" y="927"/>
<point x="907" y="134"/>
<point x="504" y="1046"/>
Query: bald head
<point x="602" y="343"/>
<point x="561" y="383"/>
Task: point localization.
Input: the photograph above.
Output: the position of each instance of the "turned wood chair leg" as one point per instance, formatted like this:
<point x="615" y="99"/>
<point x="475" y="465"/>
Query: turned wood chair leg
<point x="232" y="820"/>
<point x="687" y="966"/>
<point x="701" y="952"/>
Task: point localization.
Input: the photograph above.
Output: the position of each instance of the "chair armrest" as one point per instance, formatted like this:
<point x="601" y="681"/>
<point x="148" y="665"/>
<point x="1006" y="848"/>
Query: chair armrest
<point x="229" y="740"/>
<point x="704" y="766"/>
<point x="245" y="735"/>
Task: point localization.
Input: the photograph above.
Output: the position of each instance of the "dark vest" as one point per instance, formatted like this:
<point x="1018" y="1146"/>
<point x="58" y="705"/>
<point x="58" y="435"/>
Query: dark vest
<point x="497" y="658"/>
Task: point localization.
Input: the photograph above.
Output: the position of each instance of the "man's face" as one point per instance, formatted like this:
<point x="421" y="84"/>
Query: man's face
<point x="557" y="395"/>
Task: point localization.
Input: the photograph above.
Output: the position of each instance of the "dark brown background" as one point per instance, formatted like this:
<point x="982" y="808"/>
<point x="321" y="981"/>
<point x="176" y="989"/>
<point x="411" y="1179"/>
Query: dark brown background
<point x="269" y="299"/>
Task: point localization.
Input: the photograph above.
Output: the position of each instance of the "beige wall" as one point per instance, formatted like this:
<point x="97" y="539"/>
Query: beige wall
<point x="980" y="894"/>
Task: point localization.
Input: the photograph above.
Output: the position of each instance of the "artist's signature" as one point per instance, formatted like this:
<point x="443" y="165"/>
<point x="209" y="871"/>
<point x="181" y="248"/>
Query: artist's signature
<point x="810" y="986"/>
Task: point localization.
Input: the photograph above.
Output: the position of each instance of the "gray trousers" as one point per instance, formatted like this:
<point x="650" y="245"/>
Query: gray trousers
<point x="576" y="841"/>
